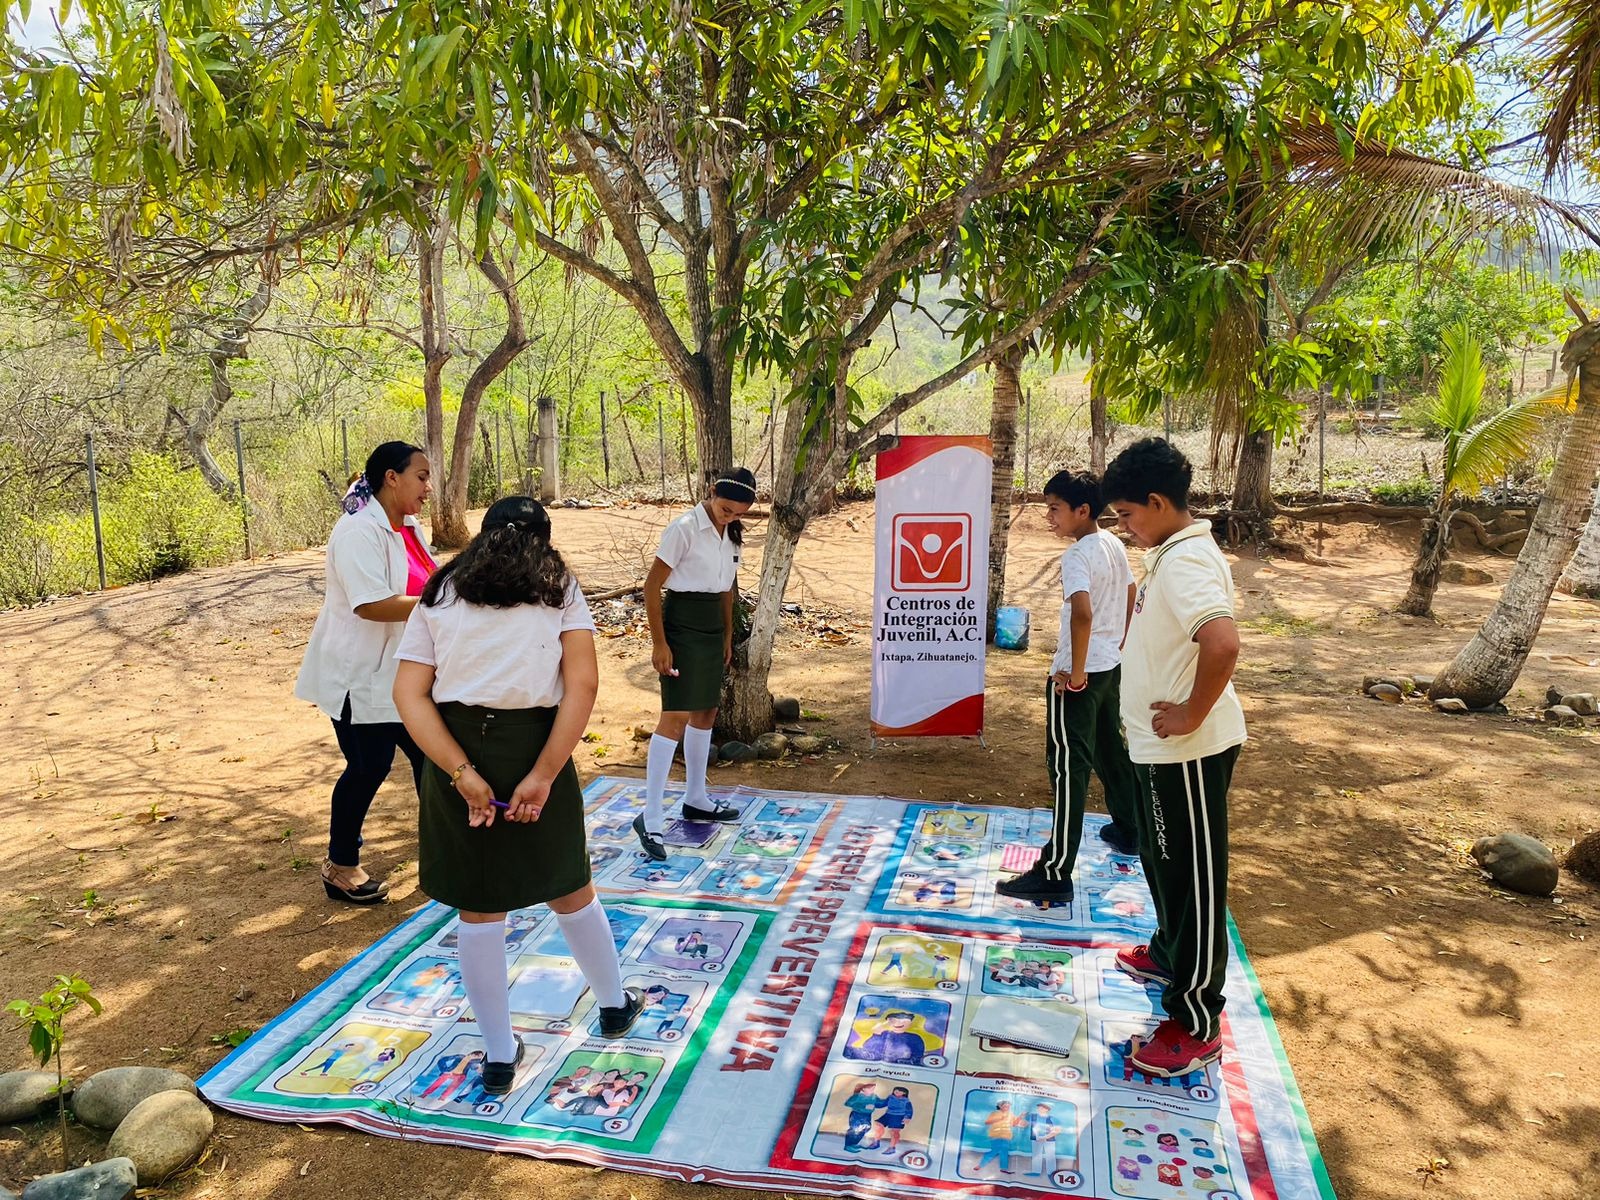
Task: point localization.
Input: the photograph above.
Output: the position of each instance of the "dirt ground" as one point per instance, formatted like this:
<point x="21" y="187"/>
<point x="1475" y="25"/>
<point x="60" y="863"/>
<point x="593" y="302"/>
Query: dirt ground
<point x="163" y="799"/>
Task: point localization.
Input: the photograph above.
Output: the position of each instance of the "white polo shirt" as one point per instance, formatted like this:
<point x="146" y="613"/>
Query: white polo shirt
<point x="1098" y="566"/>
<point x="496" y="657"/>
<point x="1186" y="583"/>
<point x="349" y="655"/>
<point x="702" y="560"/>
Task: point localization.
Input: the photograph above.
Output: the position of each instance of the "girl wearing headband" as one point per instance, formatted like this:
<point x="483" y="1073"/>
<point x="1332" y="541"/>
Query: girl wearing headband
<point x="377" y="566"/>
<point x="496" y="681"/>
<point x="688" y="597"/>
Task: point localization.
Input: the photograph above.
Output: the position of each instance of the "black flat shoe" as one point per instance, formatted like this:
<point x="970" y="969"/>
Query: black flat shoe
<point x="370" y="892"/>
<point x="498" y="1077"/>
<point x="693" y="812"/>
<point x="648" y="841"/>
<point x="1120" y="838"/>
<point x="615" y="1022"/>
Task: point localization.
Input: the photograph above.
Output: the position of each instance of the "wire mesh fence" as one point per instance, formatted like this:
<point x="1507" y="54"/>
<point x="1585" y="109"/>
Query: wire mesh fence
<point x="131" y="515"/>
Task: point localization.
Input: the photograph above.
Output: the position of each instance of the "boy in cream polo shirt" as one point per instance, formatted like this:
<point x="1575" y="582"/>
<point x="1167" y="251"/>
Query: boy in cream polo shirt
<point x="1184" y="727"/>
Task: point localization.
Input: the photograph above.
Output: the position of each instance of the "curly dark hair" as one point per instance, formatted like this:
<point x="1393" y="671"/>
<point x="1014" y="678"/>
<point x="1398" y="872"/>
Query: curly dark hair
<point x="1150" y="465"/>
<point x="510" y="562"/>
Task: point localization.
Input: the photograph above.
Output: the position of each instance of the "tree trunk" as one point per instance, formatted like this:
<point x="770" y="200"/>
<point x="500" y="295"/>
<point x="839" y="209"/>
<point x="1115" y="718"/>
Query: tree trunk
<point x="1487" y="668"/>
<point x="1003" y="435"/>
<point x="1582" y="576"/>
<point x="435" y="354"/>
<point x="1252" y="481"/>
<point x="450" y="509"/>
<point x="1099" y="428"/>
<point x="746" y="702"/>
<point x="232" y="342"/>
<point x="1418" y="600"/>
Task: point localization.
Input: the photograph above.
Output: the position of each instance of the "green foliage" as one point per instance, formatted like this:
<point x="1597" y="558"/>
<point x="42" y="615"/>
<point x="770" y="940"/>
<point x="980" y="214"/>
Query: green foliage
<point x="161" y="519"/>
<point x="45" y="1018"/>
<point x="1479" y="449"/>
<point x="1407" y="492"/>
<point x="1504" y="310"/>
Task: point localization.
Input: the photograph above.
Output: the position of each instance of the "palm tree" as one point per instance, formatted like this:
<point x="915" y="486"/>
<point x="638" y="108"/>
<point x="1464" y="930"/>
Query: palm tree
<point x="1566" y="37"/>
<point x="1476" y="451"/>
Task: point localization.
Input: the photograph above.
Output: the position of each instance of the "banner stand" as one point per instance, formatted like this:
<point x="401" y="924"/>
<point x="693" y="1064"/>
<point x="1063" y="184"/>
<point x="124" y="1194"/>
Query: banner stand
<point x="930" y="587"/>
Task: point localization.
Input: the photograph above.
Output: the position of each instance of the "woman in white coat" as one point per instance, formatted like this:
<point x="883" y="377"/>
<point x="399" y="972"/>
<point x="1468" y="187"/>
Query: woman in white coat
<point x="378" y="563"/>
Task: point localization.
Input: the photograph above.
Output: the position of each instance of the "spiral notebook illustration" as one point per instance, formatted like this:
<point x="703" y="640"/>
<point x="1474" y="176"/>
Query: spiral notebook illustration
<point x="1024" y="1025"/>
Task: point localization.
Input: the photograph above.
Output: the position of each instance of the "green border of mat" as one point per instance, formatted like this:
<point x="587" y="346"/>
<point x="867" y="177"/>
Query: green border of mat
<point x="1308" y="1137"/>
<point x="388" y="1109"/>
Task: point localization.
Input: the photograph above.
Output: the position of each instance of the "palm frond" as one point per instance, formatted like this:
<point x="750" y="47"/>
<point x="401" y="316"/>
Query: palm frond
<point x="1493" y="444"/>
<point x="1455" y="406"/>
<point x="1345" y="197"/>
<point x="1566" y="36"/>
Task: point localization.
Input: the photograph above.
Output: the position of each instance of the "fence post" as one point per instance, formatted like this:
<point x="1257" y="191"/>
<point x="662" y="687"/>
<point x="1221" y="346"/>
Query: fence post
<point x="244" y="502"/>
<point x="1322" y="441"/>
<point x="605" y="445"/>
<point x="344" y="441"/>
<point x="549" y="452"/>
<point x="1027" y="444"/>
<point x="661" y="442"/>
<point x="683" y="441"/>
<point x="1166" y="414"/>
<point x="94" y="507"/>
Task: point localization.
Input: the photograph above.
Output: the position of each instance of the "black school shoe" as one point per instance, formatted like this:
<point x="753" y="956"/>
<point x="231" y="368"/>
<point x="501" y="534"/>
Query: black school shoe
<point x="498" y="1077"/>
<point x="649" y="842"/>
<point x="615" y="1022"/>
<point x="1121" y="839"/>
<point x="693" y="812"/>
<point x="1032" y="885"/>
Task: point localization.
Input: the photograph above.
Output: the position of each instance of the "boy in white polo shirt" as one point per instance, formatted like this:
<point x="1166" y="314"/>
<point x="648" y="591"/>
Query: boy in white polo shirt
<point x="1185" y="727"/>
<point x="1083" y="729"/>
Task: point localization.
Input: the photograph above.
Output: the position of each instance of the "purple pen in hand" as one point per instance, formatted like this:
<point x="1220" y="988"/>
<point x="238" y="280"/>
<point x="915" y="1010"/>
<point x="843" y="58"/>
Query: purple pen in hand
<point x="498" y="803"/>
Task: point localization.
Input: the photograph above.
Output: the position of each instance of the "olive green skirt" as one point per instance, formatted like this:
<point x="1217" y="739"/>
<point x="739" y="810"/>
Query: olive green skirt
<point x="692" y="622"/>
<point x="508" y="864"/>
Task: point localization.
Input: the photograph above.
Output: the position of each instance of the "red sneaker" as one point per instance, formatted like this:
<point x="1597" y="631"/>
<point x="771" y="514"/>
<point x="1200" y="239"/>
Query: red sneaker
<point x="1138" y="963"/>
<point x="1173" y="1050"/>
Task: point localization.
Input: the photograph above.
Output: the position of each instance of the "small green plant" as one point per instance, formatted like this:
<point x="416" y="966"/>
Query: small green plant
<point x="90" y="899"/>
<point x="1410" y="491"/>
<point x="1279" y="623"/>
<point x="233" y="1038"/>
<point x="45" y="1021"/>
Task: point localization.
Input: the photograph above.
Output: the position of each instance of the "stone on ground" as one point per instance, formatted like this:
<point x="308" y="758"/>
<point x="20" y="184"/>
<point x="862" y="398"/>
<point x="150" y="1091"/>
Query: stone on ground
<point x="1560" y="714"/>
<point x="1583" y="860"/>
<point x="1552" y="695"/>
<point x="1451" y="704"/>
<point x="1387" y="692"/>
<point x="114" y="1179"/>
<point x="1460" y="573"/>
<point x="1424" y="682"/>
<point x="163" y="1134"/>
<point x="1582" y="703"/>
<point x="107" y="1096"/>
<point x="806" y="743"/>
<point x="771" y="745"/>
<point x="1404" y="684"/>
<point x="786" y="709"/>
<point x="25" y="1094"/>
<point x="738" y="752"/>
<point x="1519" y="862"/>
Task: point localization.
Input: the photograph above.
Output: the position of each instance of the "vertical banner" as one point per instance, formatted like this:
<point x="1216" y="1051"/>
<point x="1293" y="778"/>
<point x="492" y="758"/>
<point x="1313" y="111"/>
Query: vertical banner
<point x="931" y="590"/>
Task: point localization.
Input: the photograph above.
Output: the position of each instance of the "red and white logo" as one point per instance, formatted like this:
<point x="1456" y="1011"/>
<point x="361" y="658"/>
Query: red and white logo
<point x="932" y="552"/>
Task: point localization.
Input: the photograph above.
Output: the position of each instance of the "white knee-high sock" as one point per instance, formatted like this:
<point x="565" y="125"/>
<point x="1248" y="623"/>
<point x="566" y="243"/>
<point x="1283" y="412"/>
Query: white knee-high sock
<point x="696" y="751"/>
<point x="658" y="765"/>
<point x="588" y="934"/>
<point x="481" y="949"/>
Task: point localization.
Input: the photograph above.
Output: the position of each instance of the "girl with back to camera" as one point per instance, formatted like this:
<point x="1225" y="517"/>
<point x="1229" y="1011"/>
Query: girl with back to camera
<point x="496" y="681"/>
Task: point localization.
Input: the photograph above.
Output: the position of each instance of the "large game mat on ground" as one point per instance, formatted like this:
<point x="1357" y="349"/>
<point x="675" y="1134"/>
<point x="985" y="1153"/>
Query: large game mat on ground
<point x="839" y="1003"/>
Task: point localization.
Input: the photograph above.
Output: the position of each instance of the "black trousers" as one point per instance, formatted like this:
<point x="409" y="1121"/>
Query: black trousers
<point x="1183" y="842"/>
<point x="368" y="754"/>
<point x="1083" y="733"/>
